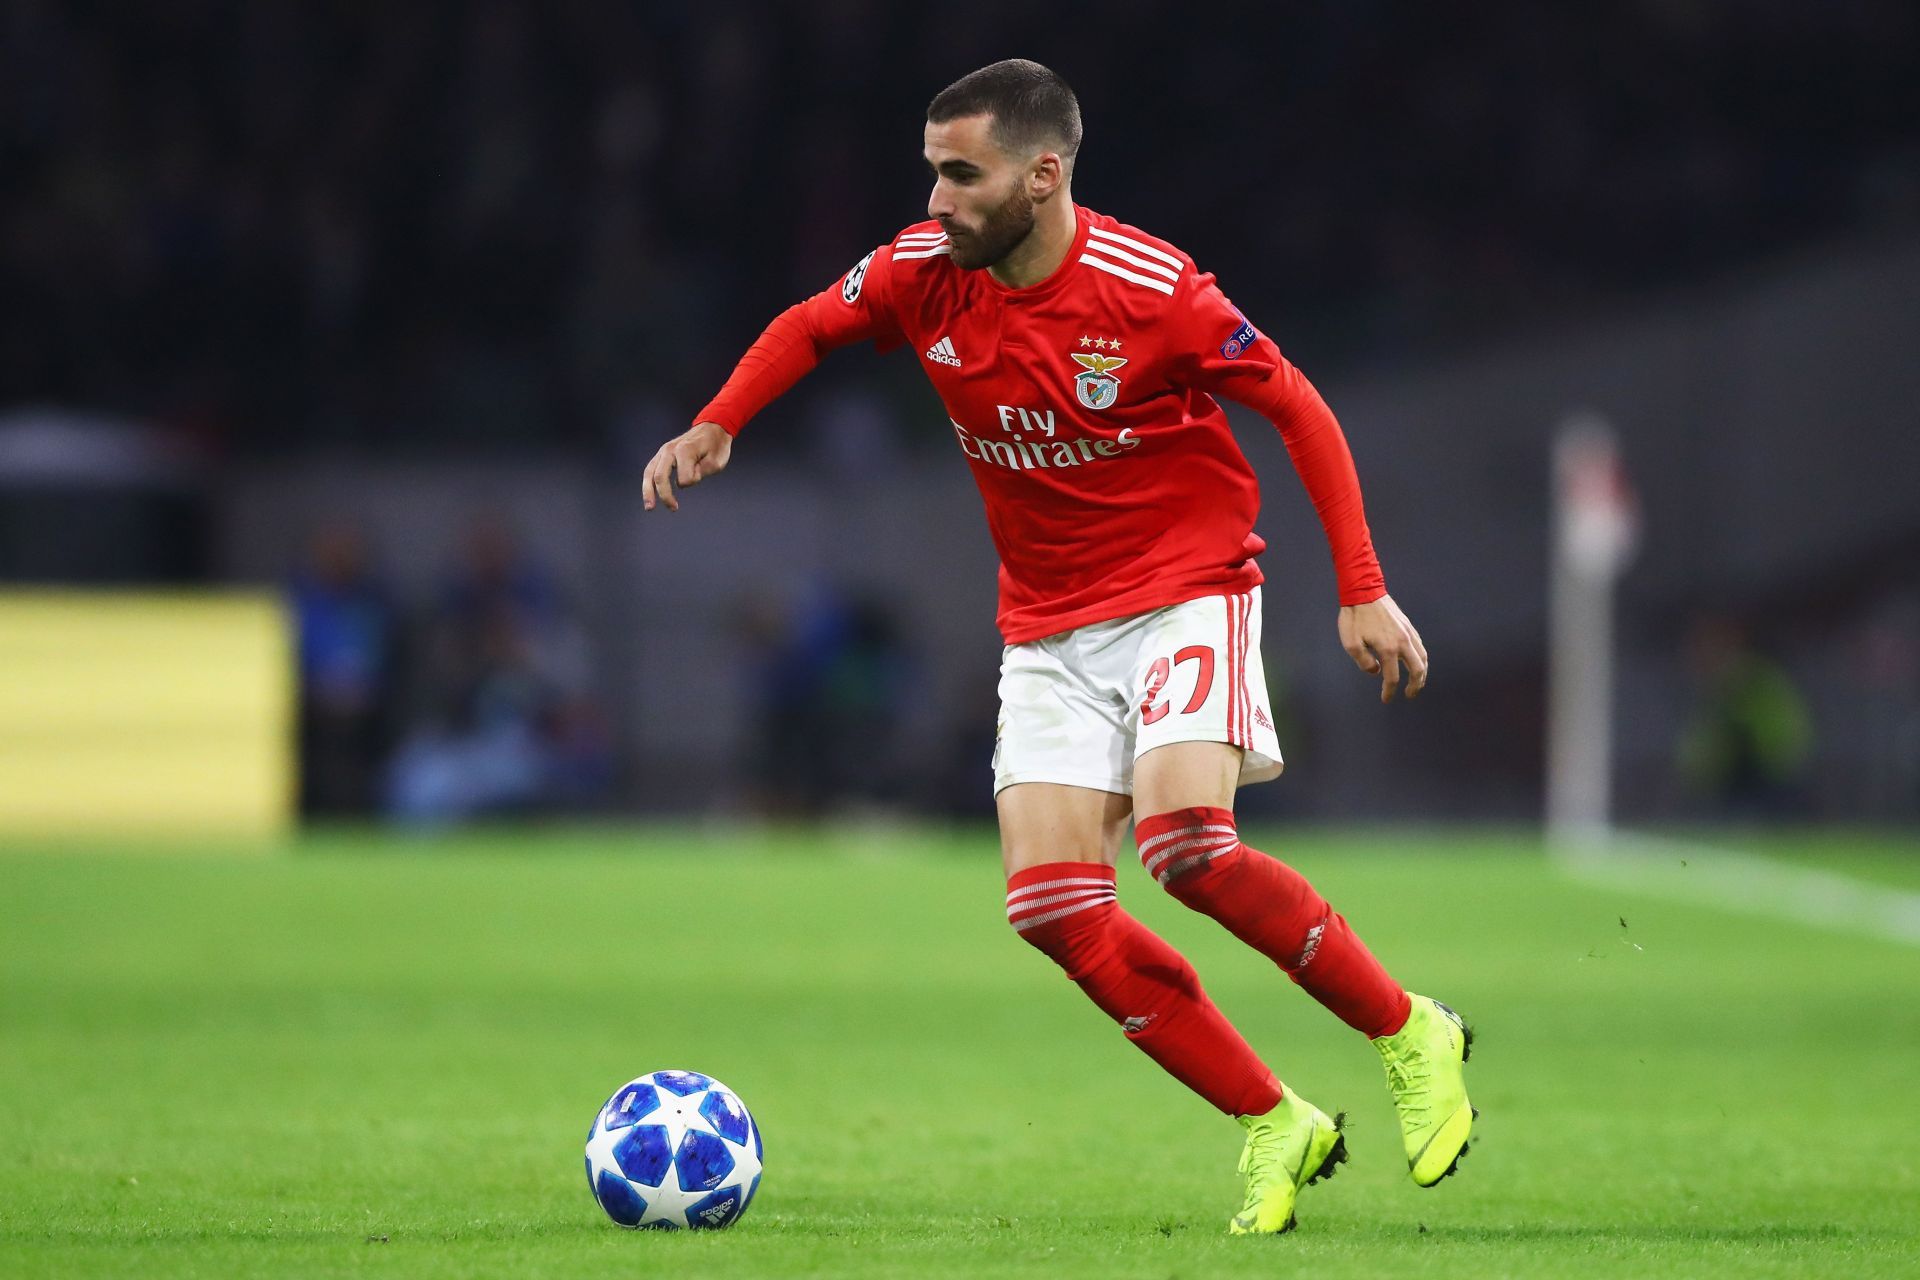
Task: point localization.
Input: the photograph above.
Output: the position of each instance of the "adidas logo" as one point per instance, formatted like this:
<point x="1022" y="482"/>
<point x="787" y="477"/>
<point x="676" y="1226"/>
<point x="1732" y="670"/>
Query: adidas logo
<point x="1137" y="1023"/>
<point x="1260" y="718"/>
<point x="1313" y="944"/>
<point x="942" y="352"/>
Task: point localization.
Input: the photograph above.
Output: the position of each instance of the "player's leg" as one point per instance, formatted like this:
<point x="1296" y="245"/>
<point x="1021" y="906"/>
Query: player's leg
<point x="1044" y="822"/>
<point x="1203" y="731"/>
<point x="1059" y="850"/>
<point x="1065" y="719"/>
<point x="1198" y="740"/>
<point x="1295" y="1144"/>
<point x="1068" y="909"/>
<point x="1190" y="843"/>
<point x="1062" y="770"/>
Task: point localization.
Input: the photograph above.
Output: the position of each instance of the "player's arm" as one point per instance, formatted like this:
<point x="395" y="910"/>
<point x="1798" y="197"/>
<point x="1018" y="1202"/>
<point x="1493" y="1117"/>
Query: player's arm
<point x="1235" y="360"/>
<point x="1374" y="631"/>
<point x="859" y="306"/>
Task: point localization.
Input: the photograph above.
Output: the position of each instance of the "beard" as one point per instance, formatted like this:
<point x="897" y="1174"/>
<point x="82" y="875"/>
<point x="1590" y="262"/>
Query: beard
<point x="1000" y="233"/>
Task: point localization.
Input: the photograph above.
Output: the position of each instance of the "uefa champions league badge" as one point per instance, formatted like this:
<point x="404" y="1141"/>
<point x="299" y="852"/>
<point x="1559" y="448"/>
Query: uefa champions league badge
<point x="1242" y="338"/>
<point x="1095" y="385"/>
<point x="850" y="287"/>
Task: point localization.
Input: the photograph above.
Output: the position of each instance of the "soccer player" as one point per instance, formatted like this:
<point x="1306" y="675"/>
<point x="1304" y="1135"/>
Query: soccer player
<point x="1079" y="359"/>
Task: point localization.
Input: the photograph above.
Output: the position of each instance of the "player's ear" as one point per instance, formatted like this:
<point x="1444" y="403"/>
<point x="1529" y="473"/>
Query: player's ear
<point x="1046" y="175"/>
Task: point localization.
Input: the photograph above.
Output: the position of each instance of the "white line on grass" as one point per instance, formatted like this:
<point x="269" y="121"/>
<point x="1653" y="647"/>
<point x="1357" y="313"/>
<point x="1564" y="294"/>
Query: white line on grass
<point x="1741" y="881"/>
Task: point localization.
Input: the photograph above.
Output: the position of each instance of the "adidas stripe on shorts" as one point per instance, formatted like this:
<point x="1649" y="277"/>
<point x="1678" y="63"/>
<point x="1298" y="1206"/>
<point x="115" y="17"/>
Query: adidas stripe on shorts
<point x="1080" y="707"/>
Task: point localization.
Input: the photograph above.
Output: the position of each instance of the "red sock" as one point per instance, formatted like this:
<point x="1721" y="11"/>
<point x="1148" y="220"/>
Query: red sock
<point x="1196" y="855"/>
<point x="1069" y="910"/>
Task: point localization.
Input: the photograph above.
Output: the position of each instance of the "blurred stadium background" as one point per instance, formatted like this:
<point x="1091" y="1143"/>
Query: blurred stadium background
<point x="381" y="311"/>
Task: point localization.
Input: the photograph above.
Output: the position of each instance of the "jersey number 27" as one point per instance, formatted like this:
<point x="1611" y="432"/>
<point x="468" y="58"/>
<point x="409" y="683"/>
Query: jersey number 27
<point x="1162" y="670"/>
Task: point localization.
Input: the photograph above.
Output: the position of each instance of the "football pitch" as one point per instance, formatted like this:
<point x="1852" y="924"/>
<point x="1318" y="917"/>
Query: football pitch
<point x="372" y="1056"/>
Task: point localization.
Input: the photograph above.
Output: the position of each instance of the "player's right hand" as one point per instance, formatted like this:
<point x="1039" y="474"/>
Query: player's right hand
<point x="685" y="460"/>
<point x="1378" y="637"/>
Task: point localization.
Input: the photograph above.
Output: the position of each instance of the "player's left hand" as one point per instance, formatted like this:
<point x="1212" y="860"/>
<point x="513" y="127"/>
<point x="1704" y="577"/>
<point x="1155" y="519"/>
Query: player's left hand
<point x="1378" y="637"/>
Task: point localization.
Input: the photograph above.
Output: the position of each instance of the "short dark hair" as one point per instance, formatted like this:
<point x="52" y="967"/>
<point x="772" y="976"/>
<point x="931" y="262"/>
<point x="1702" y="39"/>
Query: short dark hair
<point x="1030" y="106"/>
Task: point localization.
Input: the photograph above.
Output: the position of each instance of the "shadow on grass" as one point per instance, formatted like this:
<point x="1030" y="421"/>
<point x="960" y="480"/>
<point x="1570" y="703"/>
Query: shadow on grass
<point x="1658" y="1233"/>
<point x="373" y="1236"/>
<point x="588" y="1230"/>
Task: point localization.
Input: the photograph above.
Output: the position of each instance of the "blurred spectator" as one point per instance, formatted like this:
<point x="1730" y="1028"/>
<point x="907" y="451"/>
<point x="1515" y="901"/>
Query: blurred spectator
<point x="499" y="590"/>
<point x="510" y="724"/>
<point x="349" y="644"/>
<point x="1747" y="745"/>
<point x="832" y="685"/>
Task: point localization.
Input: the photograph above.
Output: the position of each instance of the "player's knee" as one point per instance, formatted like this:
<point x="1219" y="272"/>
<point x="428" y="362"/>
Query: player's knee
<point x="1064" y="910"/>
<point x="1197" y="856"/>
<point x="1177" y="845"/>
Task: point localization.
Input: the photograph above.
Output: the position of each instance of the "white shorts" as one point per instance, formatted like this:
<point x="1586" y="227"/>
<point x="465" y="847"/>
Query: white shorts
<point x="1080" y="707"/>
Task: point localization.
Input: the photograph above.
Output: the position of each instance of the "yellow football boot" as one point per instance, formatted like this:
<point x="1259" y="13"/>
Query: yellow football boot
<point x="1292" y="1146"/>
<point x="1425" y="1063"/>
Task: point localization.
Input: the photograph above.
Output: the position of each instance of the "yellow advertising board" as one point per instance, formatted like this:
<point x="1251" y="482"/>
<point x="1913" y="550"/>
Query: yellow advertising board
<point x="145" y="714"/>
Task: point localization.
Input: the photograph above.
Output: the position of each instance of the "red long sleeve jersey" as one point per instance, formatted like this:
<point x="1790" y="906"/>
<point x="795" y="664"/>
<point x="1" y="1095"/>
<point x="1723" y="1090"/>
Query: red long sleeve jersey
<point x="1084" y="406"/>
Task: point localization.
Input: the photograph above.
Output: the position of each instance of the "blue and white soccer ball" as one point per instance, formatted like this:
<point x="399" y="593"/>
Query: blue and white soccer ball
<point x="674" y="1149"/>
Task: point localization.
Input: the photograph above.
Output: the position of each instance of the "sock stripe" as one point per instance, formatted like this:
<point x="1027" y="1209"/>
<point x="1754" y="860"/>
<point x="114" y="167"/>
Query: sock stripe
<point x="1184" y="855"/>
<point x="1041" y="886"/>
<point x="1070" y="895"/>
<point x="1051" y="891"/>
<point x="1154" y="842"/>
<point x="1048" y="917"/>
<point x="1218" y="843"/>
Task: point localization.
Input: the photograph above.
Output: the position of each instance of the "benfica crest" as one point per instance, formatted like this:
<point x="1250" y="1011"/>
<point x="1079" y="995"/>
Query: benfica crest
<point x="1096" y="386"/>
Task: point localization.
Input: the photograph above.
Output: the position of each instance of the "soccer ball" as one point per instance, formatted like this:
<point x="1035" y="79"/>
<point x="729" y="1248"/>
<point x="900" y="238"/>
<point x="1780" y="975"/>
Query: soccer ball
<point x="674" y="1149"/>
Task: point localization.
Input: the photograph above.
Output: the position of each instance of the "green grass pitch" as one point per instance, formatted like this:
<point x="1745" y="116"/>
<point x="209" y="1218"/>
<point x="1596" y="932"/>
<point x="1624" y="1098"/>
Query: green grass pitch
<point x="374" y="1057"/>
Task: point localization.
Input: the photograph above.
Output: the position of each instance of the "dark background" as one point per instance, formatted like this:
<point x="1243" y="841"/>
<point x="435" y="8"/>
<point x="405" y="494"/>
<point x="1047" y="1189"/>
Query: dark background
<point x="390" y="302"/>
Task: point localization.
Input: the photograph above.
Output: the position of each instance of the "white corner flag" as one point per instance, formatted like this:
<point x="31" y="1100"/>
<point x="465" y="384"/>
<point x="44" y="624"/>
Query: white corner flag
<point x="1596" y="527"/>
